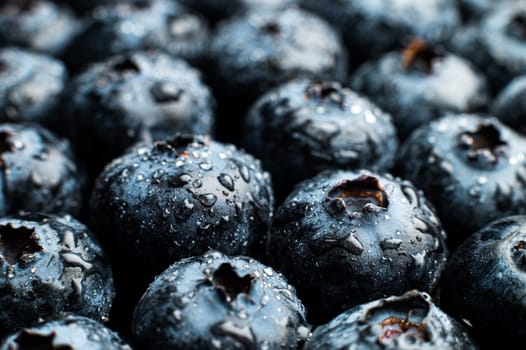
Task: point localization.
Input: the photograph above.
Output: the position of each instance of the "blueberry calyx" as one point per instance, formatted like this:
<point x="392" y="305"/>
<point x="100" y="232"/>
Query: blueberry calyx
<point x="17" y="243"/>
<point x="517" y="26"/>
<point x="359" y="196"/>
<point x="420" y="57"/>
<point x="323" y="91"/>
<point x="519" y="254"/>
<point x="484" y="145"/>
<point x="126" y="65"/>
<point x="33" y="340"/>
<point x="393" y="327"/>
<point x="181" y="142"/>
<point x="271" y="28"/>
<point x="6" y="145"/>
<point x="226" y="280"/>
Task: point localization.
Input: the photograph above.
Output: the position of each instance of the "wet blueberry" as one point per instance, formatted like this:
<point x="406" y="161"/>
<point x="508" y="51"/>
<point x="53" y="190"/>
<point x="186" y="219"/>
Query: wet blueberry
<point x="159" y="203"/>
<point x="304" y="127"/>
<point x="37" y="172"/>
<point x="127" y="98"/>
<point x="484" y="282"/>
<point x="40" y="25"/>
<point x="257" y="51"/>
<point x="510" y="104"/>
<point x="497" y="44"/>
<point x="69" y="333"/>
<point x="217" y="302"/>
<point x="30" y="85"/>
<point x="344" y="238"/>
<point x="50" y="265"/>
<point x="125" y="26"/>
<point x="410" y="321"/>
<point x="473" y="169"/>
<point x="371" y="27"/>
<point x="421" y="83"/>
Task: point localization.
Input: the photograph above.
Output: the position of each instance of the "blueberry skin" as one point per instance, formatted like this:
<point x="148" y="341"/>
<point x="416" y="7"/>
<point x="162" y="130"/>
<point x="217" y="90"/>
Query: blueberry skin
<point x="473" y="169"/>
<point x="257" y="51"/>
<point x="484" y="280"/>
<point x="37" y="172"/>
<point x="343" y="238"/>
<point x="418" y="89"/>
<point x="180" y="197"/>
<point x="50" y="265"/>
<point x="409" y="321"/>
<point x="510" y="104"/>
<point x="30" y="85"/>
<point x="216" y="10"/>
<point x="128" y="98"/>
<point x="71" y="333"/>
<point x="496" y="44"/>
<point x="130" y="26"/>
<point x="371" y="27"/>
<point x="305" y="126"/>
<point x="216" y="301"/>
<point x="39" y="25"/>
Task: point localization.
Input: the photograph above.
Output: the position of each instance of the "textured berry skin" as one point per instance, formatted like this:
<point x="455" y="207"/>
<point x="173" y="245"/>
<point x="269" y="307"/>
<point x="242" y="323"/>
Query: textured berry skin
<point x="496" y="44"/>
<point x="217" y="10"/>
<point x="129" y="26"/>
<point x="344" y="238"/>
<point x="252" y="53"/>
<point x="180" y="197"/>
<point x="40" y="25"/>
<point x="410" y="321"/>
<point x="69" y="333"/>
<point x="50" y="265"/>
<point x="214" y="301"/>
<point x="30" y="85"/>
<point x="371" y="27"/>
<point x="37" y="171"/>
<point x="472" y="169"/>
<point x="484" y="281"/>
<point x="510" y="104"/>
<point x="420" y="84"/>
<point x="303" y="127"/>
<point x="130" y="98"/>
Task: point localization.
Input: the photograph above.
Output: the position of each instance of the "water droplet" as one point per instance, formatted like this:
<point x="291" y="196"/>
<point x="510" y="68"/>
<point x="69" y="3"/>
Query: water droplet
<point x="227" y="181"/>
<point x="482" y="180"/>
<point x="393" y="243"/>
<point x="243" y="171"/>
<point x="207" y="199"/>
<point x="206" y="165"/>
<point x="197" y="183"/>
<point x="370" y="117"/>
<point x="188" y="204"/>
<point x="268" y="271"/>
<point x="353" y="245"/>
<point x="140" y="177"/>
<point x="163" y="92"/>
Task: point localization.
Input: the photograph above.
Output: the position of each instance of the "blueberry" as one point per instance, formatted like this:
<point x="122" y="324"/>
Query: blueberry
<point x="37" y="171"/>
<point x="214" y="301"/>
<point x="219" y="10"/>
<point x="259" y="50"/>
<point x="410" y="321"/>
<point x="176" y="198"/>
<point x="510" y="104"/>
<point x="473" y="169"/>
<point x="484" y="282"/>
<point x="344" y="238"/>
<point x="128" y="26"/>
<point x="50" y="265"/>
<point x="40" y="25"/>
<point x="69" y="333"/>
<point x="305" y="126"/>
<point x="31" y="85"/>
<point x="371" y="27"/>
<point x="420" y="84"/>
<point x="497" y="44"/>
<point x="132" y="97"/>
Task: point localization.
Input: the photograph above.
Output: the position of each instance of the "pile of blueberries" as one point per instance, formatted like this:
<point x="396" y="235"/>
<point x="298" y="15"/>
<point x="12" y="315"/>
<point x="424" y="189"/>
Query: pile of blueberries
<point x="262" y="174"/>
